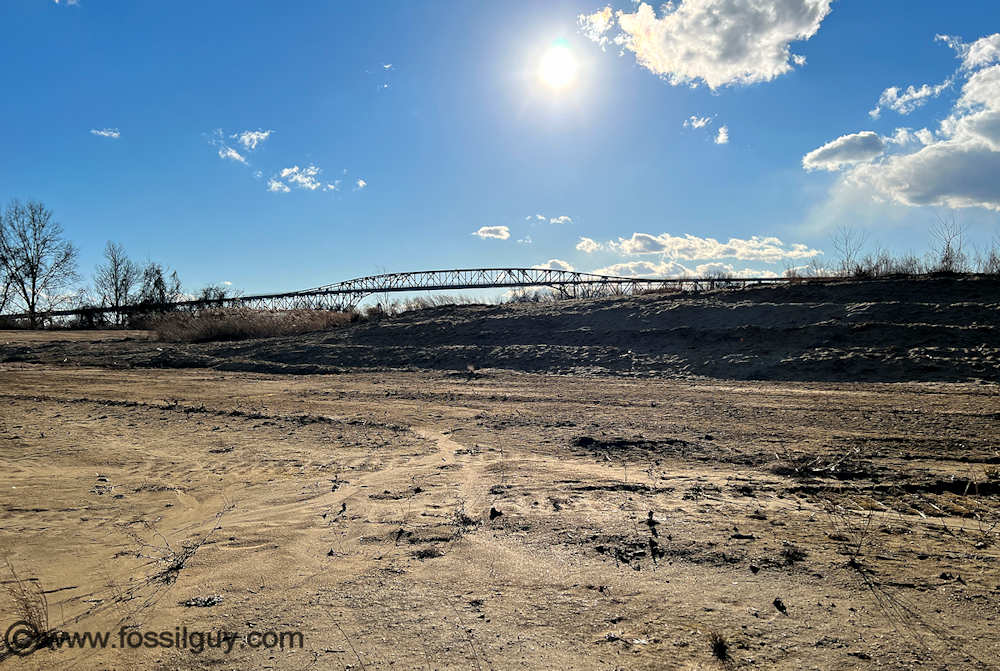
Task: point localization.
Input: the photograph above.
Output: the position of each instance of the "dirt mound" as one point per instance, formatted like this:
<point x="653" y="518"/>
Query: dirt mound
<point x="942" y="329"/>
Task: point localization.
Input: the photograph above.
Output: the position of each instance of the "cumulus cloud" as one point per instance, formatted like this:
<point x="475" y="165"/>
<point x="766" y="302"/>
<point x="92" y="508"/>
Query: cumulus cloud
<point x="672" y="269"/>
<point x="646" y="269"/>
<point x="231" y="154"/>
<point x="845" y="150"/>
<point x="588" y="246"/>
<point x="251" y="138"/>
<point x="277" y="186"/>
<point x="304" y="178"/>
<point x="495" y="232"/>
<point x="982" y="52"/>
<point x="360" y="184"/>
<point x="554" y="264"/>
<point x="723" y="136"/>
<point x="106" y="132"/>
<point x="719" y="269"/>
<point x="717" y="42"/>
<point x="957" y="166"/>
<point x="691" y="248"/>
<point x="563" y="219"/>
<point x="697" y="121"/>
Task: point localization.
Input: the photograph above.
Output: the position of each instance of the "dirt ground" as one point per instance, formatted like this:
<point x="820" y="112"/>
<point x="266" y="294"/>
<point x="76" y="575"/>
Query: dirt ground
<point x="944" y="329"/>
<point x="436" y="520"/>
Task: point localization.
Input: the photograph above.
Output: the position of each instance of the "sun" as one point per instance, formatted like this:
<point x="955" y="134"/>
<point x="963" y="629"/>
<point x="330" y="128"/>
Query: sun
<point x="558" y="67"/>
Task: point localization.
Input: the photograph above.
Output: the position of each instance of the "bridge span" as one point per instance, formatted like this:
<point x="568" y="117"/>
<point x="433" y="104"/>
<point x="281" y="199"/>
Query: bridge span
<point x="347" y="294"/>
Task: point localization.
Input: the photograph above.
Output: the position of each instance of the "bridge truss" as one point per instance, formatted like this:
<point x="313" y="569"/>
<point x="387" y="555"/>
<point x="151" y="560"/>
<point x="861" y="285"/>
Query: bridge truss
<point x="347" y="294"/>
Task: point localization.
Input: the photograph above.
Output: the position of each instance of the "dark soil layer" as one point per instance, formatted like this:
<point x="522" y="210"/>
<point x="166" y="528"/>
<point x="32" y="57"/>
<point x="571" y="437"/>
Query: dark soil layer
<point x="942" y="329"/>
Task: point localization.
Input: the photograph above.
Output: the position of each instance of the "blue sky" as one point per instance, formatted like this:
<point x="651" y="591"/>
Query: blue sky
<point x="400" y="130"/>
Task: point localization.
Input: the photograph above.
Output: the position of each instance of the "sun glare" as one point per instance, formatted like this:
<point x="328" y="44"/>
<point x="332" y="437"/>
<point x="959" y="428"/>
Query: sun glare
<point x="558" y="67"/>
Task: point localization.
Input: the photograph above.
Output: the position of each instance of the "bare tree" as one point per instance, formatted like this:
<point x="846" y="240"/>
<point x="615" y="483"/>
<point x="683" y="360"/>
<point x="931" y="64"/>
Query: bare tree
<point x="37" y="261"/>
<point x="157" y="287"/>
<point x="848" y="243"/>
<point x="5" y="289"/>
<point x="949" y="247"/>
<point x="116" y="280"/>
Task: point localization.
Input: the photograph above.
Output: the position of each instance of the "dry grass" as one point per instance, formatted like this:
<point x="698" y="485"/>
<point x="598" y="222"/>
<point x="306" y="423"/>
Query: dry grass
<point x="31" y="609"/>
<point x="244" y="323"/>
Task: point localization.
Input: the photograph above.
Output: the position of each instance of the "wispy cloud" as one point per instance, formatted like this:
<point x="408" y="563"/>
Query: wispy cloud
<point x="563" y="219"/>
<point x="276" y="186"/>
<point x="360" y="184"/>
<point x="251" y="138"/>
<point x="106" y="132"/>
<point x="494" y="232"/>
<point x="304" y="178"/>
<point x="697" y="121"/>
<point x="232" y="154"/>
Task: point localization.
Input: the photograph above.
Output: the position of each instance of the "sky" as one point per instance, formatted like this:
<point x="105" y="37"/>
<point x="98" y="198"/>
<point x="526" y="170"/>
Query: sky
<point x="280" y="146"/>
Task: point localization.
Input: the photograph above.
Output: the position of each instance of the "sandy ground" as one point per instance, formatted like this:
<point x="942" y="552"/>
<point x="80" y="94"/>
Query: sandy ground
<point x="426" y="520"/>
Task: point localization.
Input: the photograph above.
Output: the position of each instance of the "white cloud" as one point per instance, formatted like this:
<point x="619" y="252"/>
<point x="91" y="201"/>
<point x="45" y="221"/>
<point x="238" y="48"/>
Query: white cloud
<point x="673" y="269"/>
<point x="957" y="166"/>
<point x="982" y="52"/>
<point x="845" y="150"/>
<point x="387" y="66"/>
<point x="588" y="246"/>
<point x="904" y="102"/>
<point x="232" y="154"/>
<point x="646" y="269"/>
<point x="360" y="184"/>
<point x="718" y="42"/>
<point x="105" y="132"/>
<point x="304" y="178"/>
<point x="495" y="232"/>
<point x="697" y="122"/>
<point x="563" y="219"/>
<point x="555" y="264"/>
<point x="597" y="25"/>
<point x="68" y="3"/>
<point x="251" y="138"/>
<point x="526" y="240"/>
<point x="691" y="247"/>
<point x="276" y="186"/>
<point x="332" y="187"/>
<point x="723" y="136"/>
<point x="716" y="269"/>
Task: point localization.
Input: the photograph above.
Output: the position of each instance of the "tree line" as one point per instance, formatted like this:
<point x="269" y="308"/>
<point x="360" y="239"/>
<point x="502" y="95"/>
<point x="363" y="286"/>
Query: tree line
<point x="39" y="273"/>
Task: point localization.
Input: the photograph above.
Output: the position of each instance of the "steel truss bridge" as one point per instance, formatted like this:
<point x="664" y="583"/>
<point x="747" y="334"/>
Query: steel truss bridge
<point x="348" y="294"/>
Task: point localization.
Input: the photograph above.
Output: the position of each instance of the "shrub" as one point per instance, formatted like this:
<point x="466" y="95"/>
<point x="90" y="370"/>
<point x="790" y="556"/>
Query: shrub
<point x="244" y="323"/>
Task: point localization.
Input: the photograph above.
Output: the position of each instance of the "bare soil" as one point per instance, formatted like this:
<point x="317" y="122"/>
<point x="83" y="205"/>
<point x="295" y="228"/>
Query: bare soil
<point x="429" y="520"/>
<point x="602" y="491"/>
<point x="944" y="329"/>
